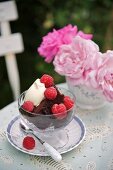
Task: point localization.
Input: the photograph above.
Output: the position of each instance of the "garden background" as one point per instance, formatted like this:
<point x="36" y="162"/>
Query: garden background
<point x="37" y="18"/>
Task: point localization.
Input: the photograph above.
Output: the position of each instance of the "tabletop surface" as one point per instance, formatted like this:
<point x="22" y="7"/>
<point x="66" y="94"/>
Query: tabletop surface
<point x="94" y="153"/>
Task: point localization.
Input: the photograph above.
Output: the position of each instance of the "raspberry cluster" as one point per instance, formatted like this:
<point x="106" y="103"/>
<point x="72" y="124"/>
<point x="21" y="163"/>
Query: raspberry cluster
<point x="58" y="109"/>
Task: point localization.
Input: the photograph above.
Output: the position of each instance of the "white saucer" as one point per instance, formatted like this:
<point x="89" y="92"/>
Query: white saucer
<point x="75" y="131"/>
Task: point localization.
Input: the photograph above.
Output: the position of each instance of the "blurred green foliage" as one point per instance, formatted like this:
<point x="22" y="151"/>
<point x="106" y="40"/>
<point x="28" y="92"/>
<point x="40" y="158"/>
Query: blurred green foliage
<point x="37" y="18"/>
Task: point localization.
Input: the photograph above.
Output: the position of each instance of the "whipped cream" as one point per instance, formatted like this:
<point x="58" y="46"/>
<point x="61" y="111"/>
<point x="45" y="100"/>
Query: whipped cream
<point x="35" y="93"/>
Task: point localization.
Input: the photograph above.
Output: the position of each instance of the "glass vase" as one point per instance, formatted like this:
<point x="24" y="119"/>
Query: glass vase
<point x="86" y="98"/>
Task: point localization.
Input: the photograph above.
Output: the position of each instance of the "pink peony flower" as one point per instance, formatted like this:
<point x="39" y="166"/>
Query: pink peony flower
<point x="105" y="75"/>
<point x="54" y="40"/>
<point x="76" y="60"/>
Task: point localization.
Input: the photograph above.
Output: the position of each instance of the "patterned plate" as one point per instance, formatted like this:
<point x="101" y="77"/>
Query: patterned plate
<point x="75" y="131"/>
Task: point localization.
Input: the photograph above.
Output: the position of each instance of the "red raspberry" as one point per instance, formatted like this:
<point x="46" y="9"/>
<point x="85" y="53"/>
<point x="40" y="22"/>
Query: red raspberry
<point x="28" y="142"/>
<point x="28" y="106"/>
<point x="50" y="93"/>
<point x="47" y="80"/>
<point x="59" y="110"/>
<point x="68" y="102"/>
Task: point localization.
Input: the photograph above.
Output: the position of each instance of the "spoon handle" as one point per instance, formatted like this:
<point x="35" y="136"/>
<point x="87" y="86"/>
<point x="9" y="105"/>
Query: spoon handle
<point x="52" y="152"/>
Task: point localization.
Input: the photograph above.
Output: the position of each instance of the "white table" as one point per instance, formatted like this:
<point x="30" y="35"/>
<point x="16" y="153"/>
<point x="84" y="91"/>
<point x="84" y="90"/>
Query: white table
<point x="95" y="152"/>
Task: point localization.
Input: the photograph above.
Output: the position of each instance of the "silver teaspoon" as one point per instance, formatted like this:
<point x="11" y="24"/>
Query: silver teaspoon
<point x="50" y="150"/>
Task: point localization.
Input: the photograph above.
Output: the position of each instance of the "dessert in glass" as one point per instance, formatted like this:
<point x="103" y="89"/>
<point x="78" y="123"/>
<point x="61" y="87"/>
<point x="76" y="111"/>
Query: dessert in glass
<point x="47" y="109"/>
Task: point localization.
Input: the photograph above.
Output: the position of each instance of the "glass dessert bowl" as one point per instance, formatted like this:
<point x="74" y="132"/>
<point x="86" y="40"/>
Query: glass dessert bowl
<point x="54" y="111"/>
<point x="42" y="120"/>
